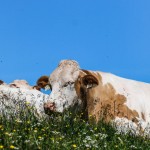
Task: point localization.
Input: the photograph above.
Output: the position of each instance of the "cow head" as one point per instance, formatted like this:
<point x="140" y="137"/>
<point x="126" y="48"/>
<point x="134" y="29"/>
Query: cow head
<point x="69" y="87"/>
<point x="20" y="84"/>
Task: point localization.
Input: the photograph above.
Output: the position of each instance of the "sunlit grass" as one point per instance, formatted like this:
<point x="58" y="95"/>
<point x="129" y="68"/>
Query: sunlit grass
<point x="26" y="132"/>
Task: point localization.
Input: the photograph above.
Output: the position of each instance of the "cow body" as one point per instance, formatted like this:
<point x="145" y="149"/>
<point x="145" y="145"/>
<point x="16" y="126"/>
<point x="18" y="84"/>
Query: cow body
<point x="98" y="94"/>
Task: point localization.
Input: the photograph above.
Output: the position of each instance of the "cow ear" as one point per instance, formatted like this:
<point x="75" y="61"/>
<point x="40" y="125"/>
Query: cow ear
<point x="43" y="82"/>
<point x="1" y="82"/>
<point x="90" y="81"/>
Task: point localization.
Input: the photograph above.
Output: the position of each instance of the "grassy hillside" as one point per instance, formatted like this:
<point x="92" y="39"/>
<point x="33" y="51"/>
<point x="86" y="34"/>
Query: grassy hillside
<point x="65" y="133"/>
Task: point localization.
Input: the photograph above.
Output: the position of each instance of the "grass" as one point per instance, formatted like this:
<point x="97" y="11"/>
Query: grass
<point x="64" y="132"/>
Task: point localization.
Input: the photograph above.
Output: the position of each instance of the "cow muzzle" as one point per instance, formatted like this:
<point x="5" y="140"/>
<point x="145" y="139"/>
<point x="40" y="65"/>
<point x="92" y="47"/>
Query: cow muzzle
<point x="49" y="107"/>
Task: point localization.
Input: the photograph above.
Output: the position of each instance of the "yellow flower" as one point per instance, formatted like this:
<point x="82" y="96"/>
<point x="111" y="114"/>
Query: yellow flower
<point x="14" y="130"/>
<point x="74" y="145"/>
<point x="1" y="127"/>
<point x="12" y="147"/>
<point x="39" y="137"/>
<point x="1" y="146"/>
<point x="27" y="102"/>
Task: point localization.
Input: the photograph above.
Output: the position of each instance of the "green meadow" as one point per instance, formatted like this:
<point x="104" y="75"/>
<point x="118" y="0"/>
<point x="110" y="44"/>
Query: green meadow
<point x="64" y="132"/>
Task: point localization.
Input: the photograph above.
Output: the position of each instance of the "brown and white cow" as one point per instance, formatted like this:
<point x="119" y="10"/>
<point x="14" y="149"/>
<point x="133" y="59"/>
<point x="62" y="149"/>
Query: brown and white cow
<point x="98" y="94"/>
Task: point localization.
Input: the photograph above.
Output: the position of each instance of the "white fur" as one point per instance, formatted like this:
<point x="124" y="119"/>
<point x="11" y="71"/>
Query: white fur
<point x="62" y="81"/>
<point x="11" y="97"/>
<point x="137" y="93"/>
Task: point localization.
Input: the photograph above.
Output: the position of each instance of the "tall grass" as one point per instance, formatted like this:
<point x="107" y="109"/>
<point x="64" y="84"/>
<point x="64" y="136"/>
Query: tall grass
<point x="64" y="132"/>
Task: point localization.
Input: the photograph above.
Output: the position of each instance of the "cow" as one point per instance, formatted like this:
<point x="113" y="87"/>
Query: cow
<point x="17" y="96"/>
<point x="98" y="94"/>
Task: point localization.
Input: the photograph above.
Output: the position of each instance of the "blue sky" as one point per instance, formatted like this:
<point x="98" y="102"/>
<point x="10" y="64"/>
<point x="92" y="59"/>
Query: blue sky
<point x="109" y="35"/>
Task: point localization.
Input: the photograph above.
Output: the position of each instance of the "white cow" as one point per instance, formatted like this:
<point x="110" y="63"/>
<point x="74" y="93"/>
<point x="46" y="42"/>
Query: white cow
<point x="18" y="95"/>
<point x="101" y="95"/>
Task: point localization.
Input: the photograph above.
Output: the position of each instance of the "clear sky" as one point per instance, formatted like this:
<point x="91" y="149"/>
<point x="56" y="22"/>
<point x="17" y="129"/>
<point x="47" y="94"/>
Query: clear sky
<point x="106" y="35"/>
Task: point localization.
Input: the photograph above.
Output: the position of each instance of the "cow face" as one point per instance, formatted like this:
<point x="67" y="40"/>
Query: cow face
<point x="63" y="94"/>
<point x="67" y="86"/>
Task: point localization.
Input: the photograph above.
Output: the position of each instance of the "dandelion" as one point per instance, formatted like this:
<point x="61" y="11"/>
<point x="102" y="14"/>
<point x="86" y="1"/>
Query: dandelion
<point x="12" y="147"/>
<point x="1" y="127"/>
<point x="27" y="103"/>
<point x="1" y="146"/>
<point x="74" y="145"/>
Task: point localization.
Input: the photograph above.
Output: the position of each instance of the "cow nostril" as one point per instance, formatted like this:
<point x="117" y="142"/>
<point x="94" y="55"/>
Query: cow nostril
<point x="49" y="106"/>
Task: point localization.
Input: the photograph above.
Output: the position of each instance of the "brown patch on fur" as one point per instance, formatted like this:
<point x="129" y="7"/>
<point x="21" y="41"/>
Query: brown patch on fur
<point x="36" y="87"/>
<point x="42" y="82"/>
<point x="86" y="72"/>
<point x="13" y="85"/>
<point x="102" y="101"/>
<point x="1" y="82"/>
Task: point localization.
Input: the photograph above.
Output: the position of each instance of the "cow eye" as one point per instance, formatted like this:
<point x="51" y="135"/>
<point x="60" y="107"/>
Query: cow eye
<point x="68" y="83"/>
